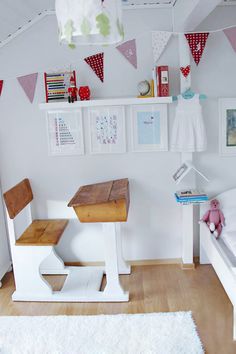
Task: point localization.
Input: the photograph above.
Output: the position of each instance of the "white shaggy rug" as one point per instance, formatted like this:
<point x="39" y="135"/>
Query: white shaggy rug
<point x="155" y="333"/>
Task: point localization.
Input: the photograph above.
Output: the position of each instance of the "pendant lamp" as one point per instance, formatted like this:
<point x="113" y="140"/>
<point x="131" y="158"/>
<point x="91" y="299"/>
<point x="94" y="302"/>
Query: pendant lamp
<point x="97" y="22"/>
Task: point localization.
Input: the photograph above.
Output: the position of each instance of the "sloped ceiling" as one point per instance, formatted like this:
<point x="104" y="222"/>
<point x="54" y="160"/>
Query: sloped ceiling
<point x="18" y="15"/>
<point x="14" y="14"/>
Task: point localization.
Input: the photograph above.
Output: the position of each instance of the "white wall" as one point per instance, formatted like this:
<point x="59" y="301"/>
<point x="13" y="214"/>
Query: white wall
<point x="154" y="226"/>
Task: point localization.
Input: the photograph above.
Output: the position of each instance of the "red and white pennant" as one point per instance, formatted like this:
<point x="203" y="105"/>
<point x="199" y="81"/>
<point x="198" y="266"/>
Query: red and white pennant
<point x="1" y="86"/>
<point x="96" y="63"/>
<point x="197" y="42"/>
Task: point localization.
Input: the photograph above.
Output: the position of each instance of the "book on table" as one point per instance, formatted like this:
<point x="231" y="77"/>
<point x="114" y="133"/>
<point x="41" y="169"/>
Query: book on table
<point x="191" y="196"/>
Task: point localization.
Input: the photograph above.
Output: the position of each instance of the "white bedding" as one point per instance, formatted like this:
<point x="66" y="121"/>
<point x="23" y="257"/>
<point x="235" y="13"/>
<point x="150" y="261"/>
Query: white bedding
<point x="229" y="230"/>
<point x="229" y="238"/>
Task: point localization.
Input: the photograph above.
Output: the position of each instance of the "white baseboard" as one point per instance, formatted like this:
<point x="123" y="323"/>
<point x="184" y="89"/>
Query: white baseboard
<point x="143" y="262"/>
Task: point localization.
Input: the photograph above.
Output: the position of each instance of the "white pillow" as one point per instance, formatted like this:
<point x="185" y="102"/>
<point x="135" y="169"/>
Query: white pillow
<point x="230" y="219"/>
<point x="229" y="239"/>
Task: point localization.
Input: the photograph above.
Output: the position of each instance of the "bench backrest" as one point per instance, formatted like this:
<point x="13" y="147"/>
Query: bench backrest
<point x="18" y="197"/>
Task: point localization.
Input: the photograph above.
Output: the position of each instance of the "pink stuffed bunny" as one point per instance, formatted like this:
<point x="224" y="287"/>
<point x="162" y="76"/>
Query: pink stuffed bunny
<point x="214" y="218"/>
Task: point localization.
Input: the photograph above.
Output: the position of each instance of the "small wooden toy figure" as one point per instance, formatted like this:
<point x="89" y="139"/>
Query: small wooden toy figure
<point x="72" y="91"/>
<point x="84" y="93"/>
<point x="214" y="218"/>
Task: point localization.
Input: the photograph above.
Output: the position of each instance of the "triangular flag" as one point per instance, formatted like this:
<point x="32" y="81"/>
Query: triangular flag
<point x="1" y="86"/>
<point x="159" y="42"/>
<point x="128" y="50"/>
<point x="96" y="63"/>
<point x="185" y="70"/>
<point x="28" y="83"/>
<point x="197" y="42"/>
<point x="231" y="35"/>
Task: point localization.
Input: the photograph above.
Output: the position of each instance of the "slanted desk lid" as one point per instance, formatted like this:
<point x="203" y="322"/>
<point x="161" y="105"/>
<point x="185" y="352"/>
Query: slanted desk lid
<point x="101" y="193"/>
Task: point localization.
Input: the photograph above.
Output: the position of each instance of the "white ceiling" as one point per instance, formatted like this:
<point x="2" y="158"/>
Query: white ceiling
<point x="18" y="15"/>
<point x="146" y="3"/>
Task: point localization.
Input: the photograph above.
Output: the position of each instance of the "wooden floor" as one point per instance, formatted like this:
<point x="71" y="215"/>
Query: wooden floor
<point x="161" y="288"/>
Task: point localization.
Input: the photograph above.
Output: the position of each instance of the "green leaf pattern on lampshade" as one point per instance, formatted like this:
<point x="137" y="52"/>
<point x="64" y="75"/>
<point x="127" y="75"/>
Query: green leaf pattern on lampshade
<point x="103" y="23"/>
<point x="85" y="27"/>
<point x="120" y="29"/>
<point x="59" y="31"/>
<point x="68" y="30"/>
<point x="90" y="21"/>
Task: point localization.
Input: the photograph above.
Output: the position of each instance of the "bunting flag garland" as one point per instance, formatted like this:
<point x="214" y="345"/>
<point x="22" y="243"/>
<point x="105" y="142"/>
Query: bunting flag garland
<point x="159" y="42"/>
<point x="129" y="51"/>
<point x="197" y="42"/>
<point x="96" y="63"/>
<point x="160" y="39"/>
<point x="231" y="35"/>
<point x="28" y="83"/>
<point x="1" y="86"/>
<point x="185" y="70"/>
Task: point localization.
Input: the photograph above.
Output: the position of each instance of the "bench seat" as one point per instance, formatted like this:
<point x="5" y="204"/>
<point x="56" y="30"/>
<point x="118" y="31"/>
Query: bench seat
<point x="43" y="233"/>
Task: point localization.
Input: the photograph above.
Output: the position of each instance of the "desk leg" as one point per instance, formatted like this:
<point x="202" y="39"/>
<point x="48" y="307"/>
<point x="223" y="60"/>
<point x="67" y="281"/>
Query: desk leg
<point x="123" y="266"/>
<point x="113" y="287"/>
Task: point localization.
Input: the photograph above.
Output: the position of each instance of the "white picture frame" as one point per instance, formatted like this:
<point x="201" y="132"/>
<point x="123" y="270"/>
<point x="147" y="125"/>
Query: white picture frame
<point x="149" y="128"/>
<point x="227" y="126"/>
<point x="107" y="130"/>
<point x="65" y="133"/>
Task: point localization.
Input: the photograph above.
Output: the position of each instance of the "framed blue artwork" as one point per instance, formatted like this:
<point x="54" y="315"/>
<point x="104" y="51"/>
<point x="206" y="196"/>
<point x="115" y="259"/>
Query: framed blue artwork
<point x="149" y="128"/>
<point x="227" y="133"/>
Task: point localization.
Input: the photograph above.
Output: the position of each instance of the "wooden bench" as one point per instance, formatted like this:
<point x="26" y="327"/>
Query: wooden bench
<point x="33" y="252"/>
<point x="39" y="232"/>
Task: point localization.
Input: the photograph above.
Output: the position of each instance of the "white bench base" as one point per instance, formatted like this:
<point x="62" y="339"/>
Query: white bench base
<point x="82" y="284"/>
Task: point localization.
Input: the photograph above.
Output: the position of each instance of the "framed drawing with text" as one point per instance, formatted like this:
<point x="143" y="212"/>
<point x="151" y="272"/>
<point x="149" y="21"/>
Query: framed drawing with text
<point x="107" y="129"/>
<point x="227" y="125"/>
<point x="65" y="133"/>
<point x="149" y="128"/>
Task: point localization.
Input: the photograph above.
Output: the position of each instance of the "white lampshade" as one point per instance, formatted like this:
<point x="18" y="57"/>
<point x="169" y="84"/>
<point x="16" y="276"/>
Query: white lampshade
<point x="89" y="21"/>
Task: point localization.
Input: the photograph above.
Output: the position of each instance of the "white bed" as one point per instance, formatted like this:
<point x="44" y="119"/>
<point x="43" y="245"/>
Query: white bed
<point x="216" y="253"/>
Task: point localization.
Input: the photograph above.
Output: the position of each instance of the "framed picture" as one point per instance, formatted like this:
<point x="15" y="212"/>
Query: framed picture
<point x="107" y="129"/>
<point x="227" y="133"/>
<point x="149" y="128"/>
<point x="65" y="133"/>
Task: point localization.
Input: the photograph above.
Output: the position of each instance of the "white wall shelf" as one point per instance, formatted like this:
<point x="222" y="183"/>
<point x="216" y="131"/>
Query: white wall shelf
<point x="105" y="102"/>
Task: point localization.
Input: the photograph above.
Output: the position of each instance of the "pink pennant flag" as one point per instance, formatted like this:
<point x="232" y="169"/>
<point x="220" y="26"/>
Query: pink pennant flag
<point x="28" y="83"/>
<point x="231" y="35"/>
<point x="128" y="50"/>
<point x="1" y="86"/>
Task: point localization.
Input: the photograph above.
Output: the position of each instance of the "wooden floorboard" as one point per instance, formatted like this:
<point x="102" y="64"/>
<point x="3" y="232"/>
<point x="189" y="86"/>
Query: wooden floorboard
<point x="161" y="288"/>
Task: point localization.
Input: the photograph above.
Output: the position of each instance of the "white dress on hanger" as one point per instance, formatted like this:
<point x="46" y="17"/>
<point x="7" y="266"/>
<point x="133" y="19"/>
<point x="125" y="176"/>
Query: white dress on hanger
<point x="188" y="134"/>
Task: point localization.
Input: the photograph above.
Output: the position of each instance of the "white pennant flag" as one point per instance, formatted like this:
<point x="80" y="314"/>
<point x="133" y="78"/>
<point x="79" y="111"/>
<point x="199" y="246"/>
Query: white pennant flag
<point x="159" y="42"/>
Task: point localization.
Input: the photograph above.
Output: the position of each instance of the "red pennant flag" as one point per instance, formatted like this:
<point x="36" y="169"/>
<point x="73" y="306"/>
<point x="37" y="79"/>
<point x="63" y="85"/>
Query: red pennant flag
<point x="1" y="86"/>
<point x="96" y="62"/>
<point x="185" y="70"/>
<point x="197" y="42"/>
